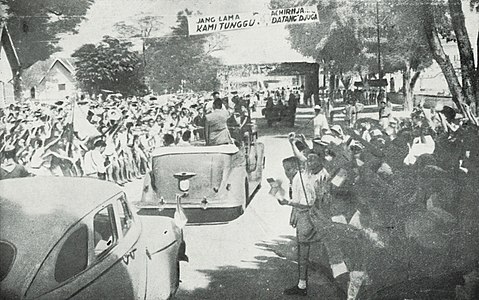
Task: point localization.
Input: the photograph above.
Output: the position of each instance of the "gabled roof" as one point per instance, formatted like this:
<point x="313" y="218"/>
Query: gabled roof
<point x="37" y="72"/>
<point x="7" y="44"/>
<point x="68" y="66"/>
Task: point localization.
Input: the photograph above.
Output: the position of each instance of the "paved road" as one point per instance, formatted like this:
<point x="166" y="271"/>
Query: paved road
<point x="254" y="256"/>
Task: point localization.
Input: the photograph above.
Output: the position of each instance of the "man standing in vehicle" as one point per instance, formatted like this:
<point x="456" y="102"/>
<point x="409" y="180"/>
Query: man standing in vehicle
<point x="216" y="129"/>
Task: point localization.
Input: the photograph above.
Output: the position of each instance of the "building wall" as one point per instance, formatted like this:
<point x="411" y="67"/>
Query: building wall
<point x="58" y="84"/>
<point x="6" y="83"/>
<point x="432" y="81"/>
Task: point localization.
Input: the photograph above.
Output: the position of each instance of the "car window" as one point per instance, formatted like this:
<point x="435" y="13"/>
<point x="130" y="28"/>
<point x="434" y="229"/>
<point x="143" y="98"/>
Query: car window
<point x="8" y="253"/>
<point x="126" y="217"/>
<point x="105" y="231"/>
<point x="73" y="255"/>
<point x="68" y="259"/>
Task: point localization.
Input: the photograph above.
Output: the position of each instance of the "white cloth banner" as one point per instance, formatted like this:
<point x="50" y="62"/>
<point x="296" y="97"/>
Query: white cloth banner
<point x="198" y="24"/>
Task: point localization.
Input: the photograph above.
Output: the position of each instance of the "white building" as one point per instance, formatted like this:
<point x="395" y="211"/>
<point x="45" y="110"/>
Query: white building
<point x="53" y="83"/>
<point x="9" y="65"/>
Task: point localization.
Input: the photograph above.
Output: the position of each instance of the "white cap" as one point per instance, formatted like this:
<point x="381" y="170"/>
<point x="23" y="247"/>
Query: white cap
<point x="336" y="128"/>
<point x="376" y="132"/>
<point x="327" y="139"/>
<point x="317" y="107"/>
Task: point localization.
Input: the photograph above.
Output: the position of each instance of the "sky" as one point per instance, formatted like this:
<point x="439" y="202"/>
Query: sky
<point x="260" y="45"/>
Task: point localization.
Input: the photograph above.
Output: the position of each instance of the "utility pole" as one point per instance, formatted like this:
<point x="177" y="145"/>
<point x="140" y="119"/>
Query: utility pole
<point x="380" y="75"/>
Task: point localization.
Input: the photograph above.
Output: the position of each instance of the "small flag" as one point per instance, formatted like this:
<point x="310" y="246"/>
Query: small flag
<point x="180" y="216"/>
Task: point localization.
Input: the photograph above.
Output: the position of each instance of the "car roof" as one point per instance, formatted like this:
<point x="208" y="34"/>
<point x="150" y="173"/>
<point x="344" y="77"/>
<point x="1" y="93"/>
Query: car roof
<point x="221" y="149"/>
<point x="35" y="212"/>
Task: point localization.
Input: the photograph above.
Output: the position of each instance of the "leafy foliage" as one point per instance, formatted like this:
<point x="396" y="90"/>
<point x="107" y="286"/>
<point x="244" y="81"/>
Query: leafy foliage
<point x="34" y="25"/>
<point x="110" y="65"/>
<point x="345" y="40"/>
<point x="182" y="62"/>
<point x="143" y="26"/>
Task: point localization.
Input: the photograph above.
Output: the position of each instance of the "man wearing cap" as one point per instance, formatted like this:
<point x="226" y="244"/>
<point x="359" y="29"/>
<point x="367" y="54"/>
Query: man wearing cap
<point x="308" y="186"/>
<point x="320" y="122"/>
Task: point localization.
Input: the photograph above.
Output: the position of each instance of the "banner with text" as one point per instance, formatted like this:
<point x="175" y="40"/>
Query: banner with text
<point x="198" y="24"/>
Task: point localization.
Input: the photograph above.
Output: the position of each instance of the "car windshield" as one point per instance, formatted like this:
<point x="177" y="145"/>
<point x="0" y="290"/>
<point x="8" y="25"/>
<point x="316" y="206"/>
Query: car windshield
<point x="7" y="253"/>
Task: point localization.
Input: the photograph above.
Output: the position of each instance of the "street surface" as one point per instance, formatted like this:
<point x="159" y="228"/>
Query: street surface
<point x="254" y="256"/>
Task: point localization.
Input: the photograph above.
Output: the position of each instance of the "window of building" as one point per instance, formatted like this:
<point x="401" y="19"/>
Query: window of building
<point x="295" y="80"/>
<point x="73" y="256"/>
<point x="62" y="87"/>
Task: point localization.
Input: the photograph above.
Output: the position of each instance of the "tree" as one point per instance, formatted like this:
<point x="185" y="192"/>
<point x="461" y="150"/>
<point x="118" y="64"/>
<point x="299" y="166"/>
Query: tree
<point x="143" y="27"/>
<point x="445" y="21"/>
<point x="407" y="45"/>
<point x="34" y="26"/>
<point x="110" y="65"/>
<point x="346" y="40"/>
<point x="182" y="62"/>
<point x="469" y="75"/>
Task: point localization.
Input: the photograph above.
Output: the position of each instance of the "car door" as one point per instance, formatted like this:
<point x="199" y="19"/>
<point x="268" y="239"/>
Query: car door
<point x="119" y="253"/>
<point x="99" y="258"/>
<point x="135" y="258"/>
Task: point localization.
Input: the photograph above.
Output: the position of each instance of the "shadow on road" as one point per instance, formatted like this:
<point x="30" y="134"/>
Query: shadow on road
<point x="265" y="277"/>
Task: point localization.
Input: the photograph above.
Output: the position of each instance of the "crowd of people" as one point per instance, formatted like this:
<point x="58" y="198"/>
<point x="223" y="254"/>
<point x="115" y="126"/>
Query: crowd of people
<point x="111" y="137"/>
<point x="281" y="105"/>
<point x="386" y="203"/>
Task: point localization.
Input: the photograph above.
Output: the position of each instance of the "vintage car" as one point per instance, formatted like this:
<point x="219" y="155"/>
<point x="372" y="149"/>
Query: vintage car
<point x="215" y="184"/>
<point x="78" y="238"/>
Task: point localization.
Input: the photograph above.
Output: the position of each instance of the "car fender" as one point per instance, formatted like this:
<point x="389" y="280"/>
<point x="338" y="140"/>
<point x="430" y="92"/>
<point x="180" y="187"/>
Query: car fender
<point x="163" y="249"/>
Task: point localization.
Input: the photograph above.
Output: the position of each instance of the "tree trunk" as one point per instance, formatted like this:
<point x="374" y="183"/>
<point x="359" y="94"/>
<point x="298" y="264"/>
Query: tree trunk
<point x="408" y="95"/>
<point x="315" y="76"/>
<point x="17" y="85"/>
<point x="468" y="71"/>
<point x="332" y="87"/>
<point x="440" y="57"/>
<point x="414" y="79"/>
<point x="409" y="83"/>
